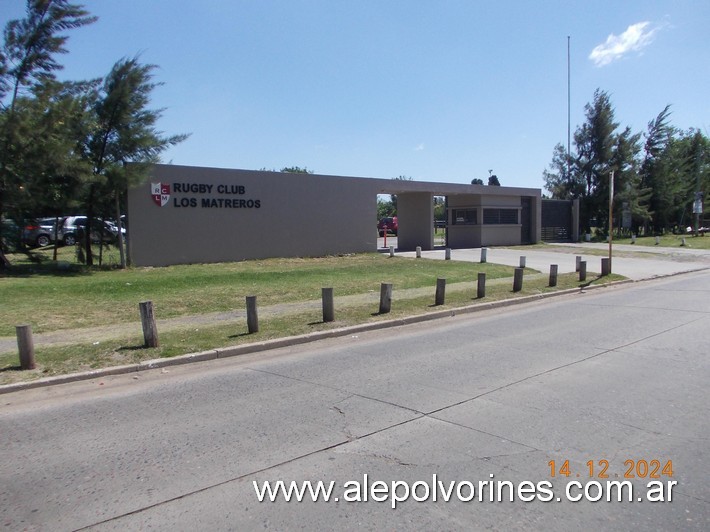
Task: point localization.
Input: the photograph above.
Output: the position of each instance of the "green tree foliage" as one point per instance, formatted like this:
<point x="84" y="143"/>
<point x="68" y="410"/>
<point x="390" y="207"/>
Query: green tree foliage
<point x="74" y="143"/>
<point x="34" y="109"/>
<point x="31" y="44"/>
<point x="595" y="141"/>
<point x="440" y="208"/>
<point x="296" y="170"/>
<point x="476" y="181"/>
<point x="51" y="170"/>
<point x="656" y="175"/>
<point x="385" y="207"/>
<point x="493" y="181"/>
<point x="123" y="141"/>
<point x="688" y="157"/>
<point x="561" y="183"/>
<point x="655" y="181"/>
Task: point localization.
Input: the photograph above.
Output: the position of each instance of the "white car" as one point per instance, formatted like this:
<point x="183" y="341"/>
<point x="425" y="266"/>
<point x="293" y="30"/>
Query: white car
<point x="72" y="226"/>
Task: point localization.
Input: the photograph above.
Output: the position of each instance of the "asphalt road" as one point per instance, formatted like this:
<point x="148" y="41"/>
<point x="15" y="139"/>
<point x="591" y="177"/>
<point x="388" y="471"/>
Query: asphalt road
<point x="608" y="375"/>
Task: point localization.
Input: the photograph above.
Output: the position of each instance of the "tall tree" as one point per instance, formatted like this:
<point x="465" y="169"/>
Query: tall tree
<point x="656" y="174"/>
<point x="628" y="195"/>
<point x="561" y="183"/>
<point x="599" y="150"/>
<point x="27" y="61"/>
<point x="687" y="158"/>
<point x="124" y="141"/>
<point x="45" y="148"/>
<point x="594" y="142"/>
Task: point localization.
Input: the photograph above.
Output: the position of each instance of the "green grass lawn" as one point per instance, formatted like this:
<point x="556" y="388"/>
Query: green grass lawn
<point x="53" y="297"/>
<point x="670" y="241"/>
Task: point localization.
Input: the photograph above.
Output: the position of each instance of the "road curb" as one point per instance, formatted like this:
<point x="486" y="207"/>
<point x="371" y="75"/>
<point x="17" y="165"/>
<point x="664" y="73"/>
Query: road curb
<point x="267" y="345"/>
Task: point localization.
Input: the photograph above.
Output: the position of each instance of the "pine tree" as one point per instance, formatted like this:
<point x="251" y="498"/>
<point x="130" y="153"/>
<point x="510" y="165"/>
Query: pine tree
<point x="124" y="142"/>
<point x="27" y="65"/>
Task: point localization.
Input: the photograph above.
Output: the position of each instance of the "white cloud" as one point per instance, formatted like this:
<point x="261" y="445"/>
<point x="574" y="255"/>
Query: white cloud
<point x="636" y="37"/>
<point x="419" y="147"/>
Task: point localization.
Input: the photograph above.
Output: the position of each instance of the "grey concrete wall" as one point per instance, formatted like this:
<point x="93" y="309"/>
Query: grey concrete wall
<point x="464" y="236"/>
<point x="415" y="218"/>
<point x="480" y="234"/>
<point x="283" y="215"/>
<point x="217" y="215"/>
<point x="536" y="221"/>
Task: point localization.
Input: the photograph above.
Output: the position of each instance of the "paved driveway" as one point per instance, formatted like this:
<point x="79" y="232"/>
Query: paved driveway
<point x="634" y="262"/>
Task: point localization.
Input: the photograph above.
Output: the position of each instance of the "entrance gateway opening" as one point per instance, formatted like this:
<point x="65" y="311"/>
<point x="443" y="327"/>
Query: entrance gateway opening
<point x="470" y="219"/>
<point x="388" y="222"/>
<point x="184" y="215"/>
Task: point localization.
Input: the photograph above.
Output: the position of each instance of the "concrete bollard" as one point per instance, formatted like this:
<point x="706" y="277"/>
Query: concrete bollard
<point x="440" y="298"/>
<point x="522" y="261"/>
<point x="553" y="274"/>
<point x="633" y="239"/>
<point x="252" y="315"/>
<point x="447" y="254"/>
<point x="518" y="280"/>
<point x="583" y="270"/>
<point x="578" y="258"/>
<point x="328" y="307"/>
<point x="658" y="240"/>
<point x="26" y="346"/>
<point x="481" y="291"/>
<point x="385" y="298"/>
<point x="606" y="266"/>
<point x="150" y="331"/>
<point x="682" y="243"/>
<point x="391" y="251"/>
<point x="484" y="254"/>
<point x="419" y="252"/>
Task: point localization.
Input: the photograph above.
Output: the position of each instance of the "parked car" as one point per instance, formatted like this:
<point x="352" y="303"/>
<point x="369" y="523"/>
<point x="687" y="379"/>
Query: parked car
<point x="73" y="226"/>
<point x="32" y="233"/>
<point x="10" y="234"/>
<point x="39" y="232"/>
<point x="389" y="224"/>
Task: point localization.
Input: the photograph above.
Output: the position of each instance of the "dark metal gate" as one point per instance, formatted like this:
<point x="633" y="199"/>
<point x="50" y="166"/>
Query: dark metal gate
<point x="556" y="220"/>
<point x="525" y="214"/>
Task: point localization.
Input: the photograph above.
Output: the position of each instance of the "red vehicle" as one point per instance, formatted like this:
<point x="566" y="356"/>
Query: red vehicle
<point x="388" y="224"/>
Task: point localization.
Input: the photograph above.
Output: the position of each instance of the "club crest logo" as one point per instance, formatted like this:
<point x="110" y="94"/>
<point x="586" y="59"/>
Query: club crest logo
<point x="160" y="192"/>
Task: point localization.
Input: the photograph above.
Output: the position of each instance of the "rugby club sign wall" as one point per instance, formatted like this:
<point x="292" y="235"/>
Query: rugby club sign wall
<point x="192" y="195"/>
<point x="160" y="193"/>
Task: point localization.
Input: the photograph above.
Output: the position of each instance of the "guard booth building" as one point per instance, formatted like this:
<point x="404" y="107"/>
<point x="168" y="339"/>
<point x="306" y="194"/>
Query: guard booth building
<point x="186" y="215"/>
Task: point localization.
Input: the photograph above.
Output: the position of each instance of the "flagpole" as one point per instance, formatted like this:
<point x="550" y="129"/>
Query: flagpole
<point x="568" y="107"/>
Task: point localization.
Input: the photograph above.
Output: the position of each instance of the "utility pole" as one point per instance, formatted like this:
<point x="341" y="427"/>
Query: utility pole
<point x="611" y="214"/>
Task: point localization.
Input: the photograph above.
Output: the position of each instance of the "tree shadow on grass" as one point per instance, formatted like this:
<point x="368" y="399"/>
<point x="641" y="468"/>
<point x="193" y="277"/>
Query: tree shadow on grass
<point x="590" y="282"/>
<point x="132" y="347"/>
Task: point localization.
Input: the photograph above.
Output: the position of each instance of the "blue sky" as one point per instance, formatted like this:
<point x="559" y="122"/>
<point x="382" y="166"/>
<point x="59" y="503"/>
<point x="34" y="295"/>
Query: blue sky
<point x="436" y="90"/>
